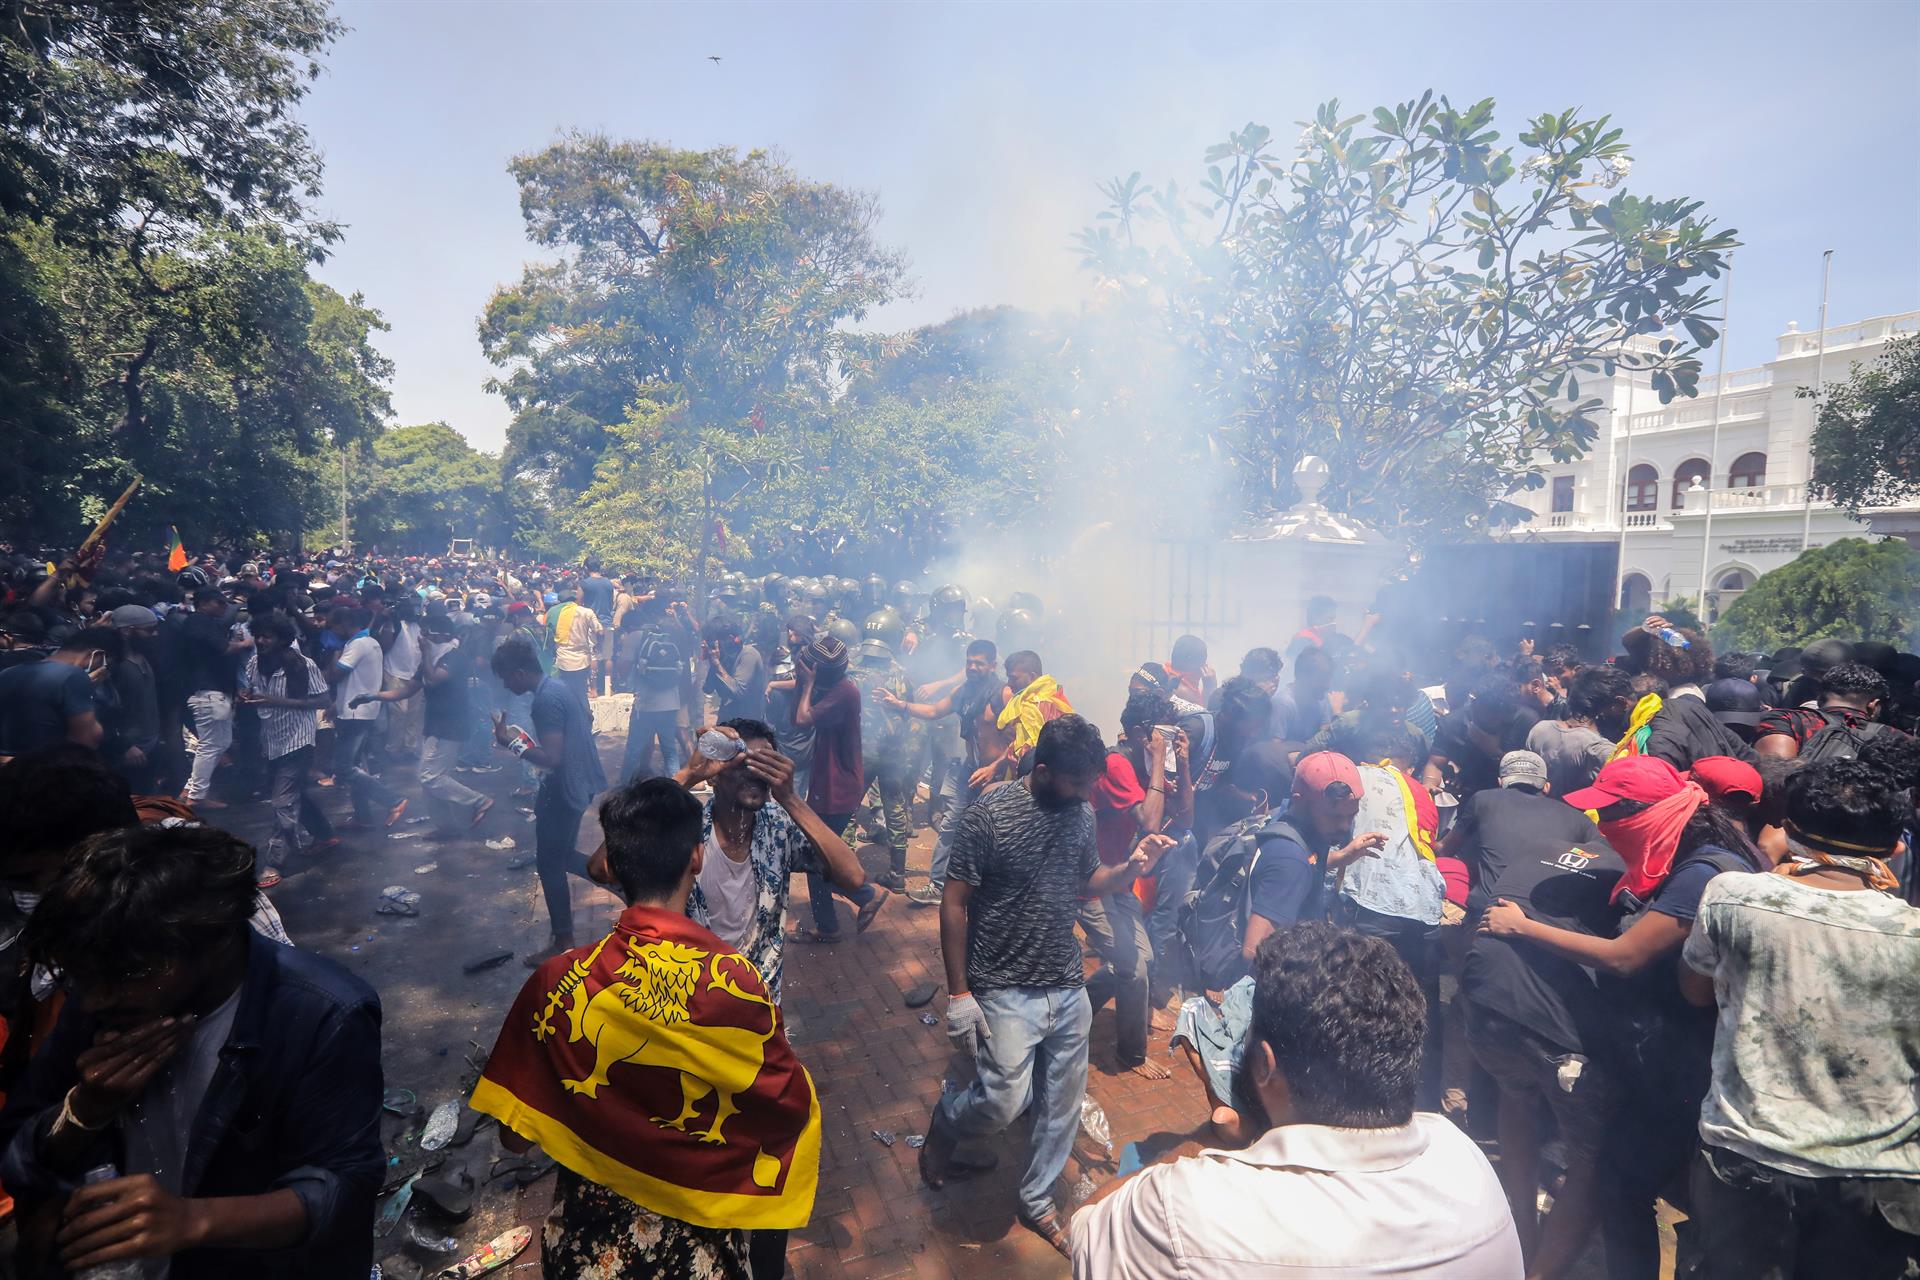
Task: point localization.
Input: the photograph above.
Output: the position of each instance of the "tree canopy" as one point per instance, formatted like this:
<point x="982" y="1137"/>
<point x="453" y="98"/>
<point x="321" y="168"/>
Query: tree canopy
<point x="156" y="310"/>
<point x="425" y="486"/>
<point x="1411" y="301"/>
<point x="693" y="326"/>
<point x="1852" y="589"/>
<point x="1866" y="442"/>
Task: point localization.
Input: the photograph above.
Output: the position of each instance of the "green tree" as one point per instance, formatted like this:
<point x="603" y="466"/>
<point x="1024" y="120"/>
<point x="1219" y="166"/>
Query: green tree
<point x="1412" y="301"/>
<point x="1866" y="444"/>
<point x="156" y="312"/>
<point x="242" y="370"/>
<point x="426" y="486"/>
<point x="872" y="481"/>
<point x="699" y="297"/>
<point x="1848" y="590"/>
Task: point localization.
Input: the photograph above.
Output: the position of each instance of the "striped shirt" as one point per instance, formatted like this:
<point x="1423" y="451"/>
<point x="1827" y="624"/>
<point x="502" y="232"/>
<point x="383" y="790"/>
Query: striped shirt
<point x="283" y="730"/>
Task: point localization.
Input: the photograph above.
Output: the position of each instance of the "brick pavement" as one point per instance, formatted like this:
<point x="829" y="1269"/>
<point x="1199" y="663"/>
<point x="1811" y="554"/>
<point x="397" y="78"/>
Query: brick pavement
<point x="877" y="1066"/>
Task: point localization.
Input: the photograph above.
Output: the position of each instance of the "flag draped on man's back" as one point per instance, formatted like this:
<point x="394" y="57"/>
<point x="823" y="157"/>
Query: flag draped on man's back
<point x="655" y="1065"/>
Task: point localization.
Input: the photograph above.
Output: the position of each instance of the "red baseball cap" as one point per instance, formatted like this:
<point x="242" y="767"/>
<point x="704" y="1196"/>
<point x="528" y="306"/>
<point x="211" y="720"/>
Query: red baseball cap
<point x="1723" y="776"/>
<point x="1317" y="772"/>
<point x="1647" y="779"/>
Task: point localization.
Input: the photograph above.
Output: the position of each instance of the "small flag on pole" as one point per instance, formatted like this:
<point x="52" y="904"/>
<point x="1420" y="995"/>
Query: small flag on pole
<point x="176" y="553"/>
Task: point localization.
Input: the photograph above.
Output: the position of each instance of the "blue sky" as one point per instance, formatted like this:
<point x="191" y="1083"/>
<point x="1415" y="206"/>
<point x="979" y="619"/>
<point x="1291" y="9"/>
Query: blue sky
<point x="984" y="127"/>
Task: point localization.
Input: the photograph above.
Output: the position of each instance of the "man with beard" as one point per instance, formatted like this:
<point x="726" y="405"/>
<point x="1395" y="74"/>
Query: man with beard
<point x="1342" y="1176"/>
<point x="1024" y="857"/>
<point x="976" y="705"/>
<point x="752" y="849"/>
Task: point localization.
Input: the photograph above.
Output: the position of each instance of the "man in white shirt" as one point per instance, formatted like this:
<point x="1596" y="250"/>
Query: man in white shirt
<point x="1809" y="1159"/>
<point x="405" y="716"/>
<point x="577" y="645"/>
<point x="357" y="673"/>
<point x="1345" y="1179"/>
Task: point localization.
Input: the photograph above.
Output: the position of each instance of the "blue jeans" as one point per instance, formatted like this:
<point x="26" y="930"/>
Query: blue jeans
<point x="1175" y="874"/>
<point x="820" y="890"/>
<point x="643" y="727"/>
<point x="1115" y="929"/>
<point x="949" y="823"/>
<point x="372" y="798"/>
<point x="477" y="750"/>
<point x="1036" y="1049"/>
<point x="556" y="834"/>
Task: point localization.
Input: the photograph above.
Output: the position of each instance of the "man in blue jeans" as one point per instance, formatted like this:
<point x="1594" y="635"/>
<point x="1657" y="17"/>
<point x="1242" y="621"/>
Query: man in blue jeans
<point x="561" y="744"/>
<point x="1023" y="857"/>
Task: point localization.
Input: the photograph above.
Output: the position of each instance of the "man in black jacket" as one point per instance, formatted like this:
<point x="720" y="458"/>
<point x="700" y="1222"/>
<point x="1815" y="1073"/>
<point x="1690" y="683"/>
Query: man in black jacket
<point x="242" y="1078"/>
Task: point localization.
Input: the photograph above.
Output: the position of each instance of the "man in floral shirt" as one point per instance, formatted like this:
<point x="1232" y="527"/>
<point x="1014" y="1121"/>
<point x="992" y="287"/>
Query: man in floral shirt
<point x="742" y="895"/>
<point x="752" y="848"/>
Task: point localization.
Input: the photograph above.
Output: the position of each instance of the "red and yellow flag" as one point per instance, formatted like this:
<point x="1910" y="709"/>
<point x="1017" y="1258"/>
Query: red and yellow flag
<point x="176" y="552"/>
<point x="655" y="1065"/>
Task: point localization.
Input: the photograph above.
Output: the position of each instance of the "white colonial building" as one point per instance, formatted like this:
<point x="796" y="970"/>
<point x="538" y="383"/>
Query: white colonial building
<point x="1682" y="500"/>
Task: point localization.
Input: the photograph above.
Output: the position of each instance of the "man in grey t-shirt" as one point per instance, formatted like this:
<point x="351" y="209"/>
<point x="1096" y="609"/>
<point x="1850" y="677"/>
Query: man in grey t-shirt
<point x="1023" y="858"/>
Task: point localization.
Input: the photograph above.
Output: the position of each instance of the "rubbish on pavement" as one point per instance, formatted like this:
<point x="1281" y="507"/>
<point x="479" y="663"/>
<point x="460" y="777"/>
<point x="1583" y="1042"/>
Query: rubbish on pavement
<point x="497" y="1252"/>
<point x="440" y="1126"/>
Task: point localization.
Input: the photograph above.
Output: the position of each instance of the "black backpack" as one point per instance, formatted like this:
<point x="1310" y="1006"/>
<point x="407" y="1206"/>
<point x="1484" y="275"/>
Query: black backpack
<point x="1838" y="740"/>
<point x="1213" y="919"/>
<point x="658" y="664"/>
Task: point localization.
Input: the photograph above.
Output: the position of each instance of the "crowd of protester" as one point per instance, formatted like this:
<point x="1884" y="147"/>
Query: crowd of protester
<point x="1643" y="926"/>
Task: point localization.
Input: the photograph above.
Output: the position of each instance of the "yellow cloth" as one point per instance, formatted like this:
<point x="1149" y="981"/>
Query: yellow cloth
<point x="1634" y="741"/>
<point x="1030" y="709"/>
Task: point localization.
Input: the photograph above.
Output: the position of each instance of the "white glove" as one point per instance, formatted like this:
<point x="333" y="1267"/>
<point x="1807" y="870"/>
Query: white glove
<point x="966" y="1024"/>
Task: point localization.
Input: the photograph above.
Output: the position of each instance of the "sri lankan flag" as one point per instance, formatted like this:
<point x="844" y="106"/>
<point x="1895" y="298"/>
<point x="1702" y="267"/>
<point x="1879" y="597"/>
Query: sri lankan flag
<point x="655" y="1065"/>
<point x="176" y="552"/>
<point x="560" y="620"/>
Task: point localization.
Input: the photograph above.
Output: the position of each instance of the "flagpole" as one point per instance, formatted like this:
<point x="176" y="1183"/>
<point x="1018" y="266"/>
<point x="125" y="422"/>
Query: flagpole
<point x="1713" y="453"/>
<point x="1819" y="386"/>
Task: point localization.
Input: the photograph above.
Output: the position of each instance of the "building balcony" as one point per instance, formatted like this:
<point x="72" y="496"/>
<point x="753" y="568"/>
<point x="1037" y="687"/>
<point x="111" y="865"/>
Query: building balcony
<point x="1698" y="412"/>
<point x="1841" y="337"/>
<point x="1593" y="522"/>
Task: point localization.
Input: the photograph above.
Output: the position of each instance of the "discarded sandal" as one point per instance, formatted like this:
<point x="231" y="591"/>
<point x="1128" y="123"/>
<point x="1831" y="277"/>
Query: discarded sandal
<point x="450" y="1195"/>
<point x="496" y="1253"/>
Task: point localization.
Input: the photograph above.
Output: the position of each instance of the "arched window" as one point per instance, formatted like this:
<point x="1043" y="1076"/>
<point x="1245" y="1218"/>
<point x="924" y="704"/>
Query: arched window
<point x="1726" y="589"/>
<point x="1683" y="478"/>
<point x="1643" y="489"/>
<point x="1636" y="595"/>
<point x="1749" y="471"/>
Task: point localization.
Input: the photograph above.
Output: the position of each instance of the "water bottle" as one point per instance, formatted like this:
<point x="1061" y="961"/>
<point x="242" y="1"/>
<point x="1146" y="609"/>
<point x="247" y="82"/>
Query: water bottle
<point x="1673" y="639"/>
<point x="126" y="1269"/>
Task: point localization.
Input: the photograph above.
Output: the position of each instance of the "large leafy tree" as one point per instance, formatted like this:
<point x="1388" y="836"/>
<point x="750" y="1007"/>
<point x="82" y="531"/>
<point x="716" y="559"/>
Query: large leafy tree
<point x="1852" y="589"/>
<point x="156" y="313"/>
<point x="426" y="485"/>
<point x="1866" y="444"/>
<point x="1411" y="300"/>
<point x="698" y="304"/>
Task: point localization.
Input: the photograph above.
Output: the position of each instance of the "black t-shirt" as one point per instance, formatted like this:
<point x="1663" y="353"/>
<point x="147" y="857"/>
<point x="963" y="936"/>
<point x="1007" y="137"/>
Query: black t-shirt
<point x="207" y="666"/>
<point x="1028" y="866"/>
<point x="1547" y="858"/>
<point x="448" y="713"/>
